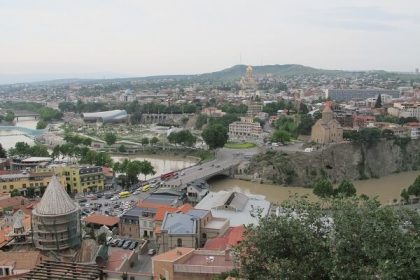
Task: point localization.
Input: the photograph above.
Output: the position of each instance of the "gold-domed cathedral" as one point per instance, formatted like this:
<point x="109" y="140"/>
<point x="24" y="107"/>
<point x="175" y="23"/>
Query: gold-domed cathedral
<point x="327" y="129"/>
<point x="248" y="81"/>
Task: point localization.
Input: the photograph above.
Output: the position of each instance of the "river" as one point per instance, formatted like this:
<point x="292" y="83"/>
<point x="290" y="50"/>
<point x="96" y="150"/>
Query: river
<point x="386" y="188"/>
<point x="9" y="135"/>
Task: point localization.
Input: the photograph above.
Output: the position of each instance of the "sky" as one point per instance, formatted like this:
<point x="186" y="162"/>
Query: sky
<point x="110" y="38"/>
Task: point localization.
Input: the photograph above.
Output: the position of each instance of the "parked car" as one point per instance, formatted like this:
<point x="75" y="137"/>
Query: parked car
<point x="151" y="252"/>
<point x="121" y="243"/>
<point x="127" y="244"/>
<point x="99" y="195"/>
<point x="114" y="242"/>
<point x="108" y="240"/>
<point x="82" y="200"/>
<point x="108" y="196"/>
<point x="133" y="245"/>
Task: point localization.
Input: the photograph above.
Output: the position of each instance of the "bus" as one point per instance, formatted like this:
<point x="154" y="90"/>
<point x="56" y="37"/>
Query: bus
<point x="167" y="176"/>
<point x="124" y="194"/>
<point x="146" y="188"/>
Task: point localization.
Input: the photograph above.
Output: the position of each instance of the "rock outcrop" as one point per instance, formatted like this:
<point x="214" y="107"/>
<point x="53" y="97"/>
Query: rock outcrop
<point x="348" y="160"/>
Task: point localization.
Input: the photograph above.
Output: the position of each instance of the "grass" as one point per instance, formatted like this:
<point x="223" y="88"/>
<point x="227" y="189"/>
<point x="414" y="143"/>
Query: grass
<point x="232" y="145"/>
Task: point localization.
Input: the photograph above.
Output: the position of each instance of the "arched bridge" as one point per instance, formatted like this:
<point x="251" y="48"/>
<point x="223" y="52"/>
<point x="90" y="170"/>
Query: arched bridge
<point x="205" y="171"/>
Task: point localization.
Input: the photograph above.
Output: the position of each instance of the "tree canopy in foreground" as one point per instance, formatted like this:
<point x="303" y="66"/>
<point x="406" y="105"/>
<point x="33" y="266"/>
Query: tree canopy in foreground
<point x="354" y="239"/>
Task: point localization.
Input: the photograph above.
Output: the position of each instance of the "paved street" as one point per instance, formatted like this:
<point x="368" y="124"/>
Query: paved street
<point x="225" y="159"/>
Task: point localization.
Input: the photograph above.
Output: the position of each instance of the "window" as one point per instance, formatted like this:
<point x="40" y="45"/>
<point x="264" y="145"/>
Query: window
<point x="23" y="185"/>
<point x="4" y="187"/>
<point x="179" y="242"/>
<point x="11" y="187"/>
<point x="7" y="272"/>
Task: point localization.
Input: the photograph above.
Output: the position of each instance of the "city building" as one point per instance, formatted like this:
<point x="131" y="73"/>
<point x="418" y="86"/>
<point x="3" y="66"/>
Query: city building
<point x="245" y="129"/>
<point x="196" y="190"/>
<point x="29" y="163"/>
<point x="254" y="109"/>
<point x="238" y="208"/>
<point x="188" y="263"/>
<point x="56" y="220"/>
<point x="83" y="179"/>
<point x="129" y="224"/>
<point x="405" y="110"/>
<point x="232" y="237"/>
<point x="191" y="229"/>
<point x="345" y="95"/>
<point x="27" y="181"/>
<point x="212" y="112"/>
<point x="106" y="116"/>
<point x="414" y="129"/>
<point x="327" y="129"/>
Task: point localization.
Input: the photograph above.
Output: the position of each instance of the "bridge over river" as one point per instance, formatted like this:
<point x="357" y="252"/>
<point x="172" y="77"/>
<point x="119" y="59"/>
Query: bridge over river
<point x="226" y="163"/>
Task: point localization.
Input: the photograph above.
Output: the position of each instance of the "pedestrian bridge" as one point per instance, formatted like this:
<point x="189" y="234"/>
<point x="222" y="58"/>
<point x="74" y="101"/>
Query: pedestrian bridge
<point x="204" y="171"/>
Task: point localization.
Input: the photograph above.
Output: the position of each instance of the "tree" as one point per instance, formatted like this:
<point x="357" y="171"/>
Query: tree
<point x="323" y="188"/>
<point x="122" y="149"/>
<point x="414" y="189"/>
<point x="110" y="138"/>
<point x="133" y="170"/>
<point x="154" y="141"/>
<point x="215" y="136"/>
<point x="378" y="103"/>
<point x="146" y="168"/>
<point x="303" y="109"/>
<point x="116" y="167"/>
<point x="14" y="193"/>
<point x="41" y="124"/>
<point x="281" y="135"/>
<point x="355" y="239"/>
<point x="145" y="141"/>
<point x="39" y="151"/>
<point x="346" y="189"/>
<point x="201" y="120"/>
<point x="305" y="124"/>
<point x="3" y="153"/>
<point x="405" y="195"/>
<point x="10" y="116"/>
<point x="20" y="149"/>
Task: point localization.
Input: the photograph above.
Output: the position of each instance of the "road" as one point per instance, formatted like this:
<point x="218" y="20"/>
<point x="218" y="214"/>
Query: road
<point x="225" y="159"/>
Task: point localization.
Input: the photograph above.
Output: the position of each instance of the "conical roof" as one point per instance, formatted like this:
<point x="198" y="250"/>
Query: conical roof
<point x="55" y="200"/>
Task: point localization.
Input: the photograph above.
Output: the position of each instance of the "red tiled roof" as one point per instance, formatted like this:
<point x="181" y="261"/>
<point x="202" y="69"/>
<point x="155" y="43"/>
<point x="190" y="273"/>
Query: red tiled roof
<point x="232" y="237"/>
<point x="173" y="255"/>
<point x="236" y="235"/>
<point x="161" y="211"/>
<point x="102" y="220"/>
<point x="15" y="201"/>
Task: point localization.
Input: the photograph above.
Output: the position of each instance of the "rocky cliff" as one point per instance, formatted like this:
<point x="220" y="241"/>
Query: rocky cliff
<point x="351" y="161"/>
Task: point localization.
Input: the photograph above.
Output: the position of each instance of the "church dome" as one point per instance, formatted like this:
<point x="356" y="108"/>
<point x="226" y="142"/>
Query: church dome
<point x="55" y="201"/>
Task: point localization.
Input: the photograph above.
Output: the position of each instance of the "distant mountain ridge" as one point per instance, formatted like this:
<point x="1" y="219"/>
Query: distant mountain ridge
<point x="229" y="74"/>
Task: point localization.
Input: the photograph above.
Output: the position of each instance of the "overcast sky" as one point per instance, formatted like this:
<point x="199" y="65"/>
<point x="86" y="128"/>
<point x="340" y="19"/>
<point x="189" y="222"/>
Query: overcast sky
<point x="138" y="38"/>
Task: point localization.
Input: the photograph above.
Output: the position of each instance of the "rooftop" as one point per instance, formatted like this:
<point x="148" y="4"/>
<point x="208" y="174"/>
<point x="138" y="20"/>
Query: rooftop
<point x="179" y="223"/>
<point x="22" y="260"/>
<point x="232" y="237"/>
<point x="233" y="206"/>
<point x="173" y="255"/>
<point x="102" y="220"/>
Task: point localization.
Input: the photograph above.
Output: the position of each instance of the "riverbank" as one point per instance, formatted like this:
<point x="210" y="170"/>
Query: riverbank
<point x="386" y="188"/>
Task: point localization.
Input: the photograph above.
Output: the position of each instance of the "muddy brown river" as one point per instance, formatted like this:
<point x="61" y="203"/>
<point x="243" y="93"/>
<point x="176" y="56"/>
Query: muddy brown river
<point x="386" y="188"/>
